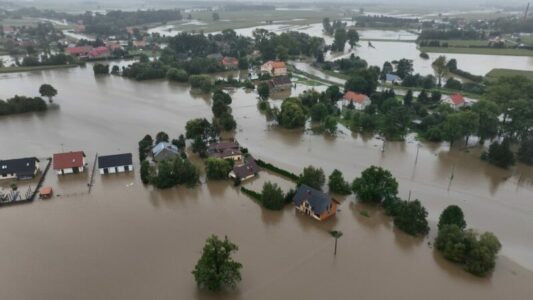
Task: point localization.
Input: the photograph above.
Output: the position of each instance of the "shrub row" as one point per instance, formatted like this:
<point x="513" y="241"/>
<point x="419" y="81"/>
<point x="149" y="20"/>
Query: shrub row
<point x="275" y="169"/>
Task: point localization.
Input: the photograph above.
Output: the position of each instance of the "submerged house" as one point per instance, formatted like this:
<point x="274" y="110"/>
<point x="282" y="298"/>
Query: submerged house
<point x="280" y="83"/>
<point x="314" y="203"/>
<point x="20" y="168"/>
<point x="165" y="151"/>
<point x="393" y="79"/>
<point x="247" y="170"/>
<point x="274" y="68"/>
<point x="456" y="100"/>
<point x="359" y="101"/>
<point x="225" y="150"/>
<point x="69" y="162"/>
<point x="117" y="163"/>
<point x="230" y="63"/>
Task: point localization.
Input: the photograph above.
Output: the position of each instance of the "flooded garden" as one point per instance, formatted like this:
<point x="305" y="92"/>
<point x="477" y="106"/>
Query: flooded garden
<point x="128" y="240"/>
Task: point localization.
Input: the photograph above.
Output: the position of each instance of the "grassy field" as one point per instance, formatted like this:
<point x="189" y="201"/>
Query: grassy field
<point x="36" y="68"/>
<point x="482" y="51"/>
<point x="497" y="73"/>
<point x="245" y="19"/>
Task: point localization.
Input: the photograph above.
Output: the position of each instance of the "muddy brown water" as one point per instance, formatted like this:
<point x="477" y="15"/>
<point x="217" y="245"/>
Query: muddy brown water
<point x="128" y="241"/>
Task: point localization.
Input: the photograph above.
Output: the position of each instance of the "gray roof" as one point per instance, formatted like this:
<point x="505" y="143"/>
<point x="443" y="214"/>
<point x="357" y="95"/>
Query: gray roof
<point x="116" y="160"/>
<point x="247" y="169"/>
<point x="164" y="150"/>
<point x="392" y="77"/>
<point x="318" y="200"/>
<point x="224" y="149"/>
<point x="22" y="167"/>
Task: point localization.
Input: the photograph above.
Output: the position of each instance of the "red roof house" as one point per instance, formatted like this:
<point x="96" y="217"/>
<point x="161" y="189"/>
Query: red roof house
<point x="360" y="101"/>
<point x="79" y="51"/>
<point x="230" y="62"/>
<point x="456" y="100"/>
<point x="98" y="52"/>
<point x="69" y="162"/>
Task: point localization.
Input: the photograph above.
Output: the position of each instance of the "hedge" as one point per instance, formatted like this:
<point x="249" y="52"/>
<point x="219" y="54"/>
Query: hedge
<point x="275" y="169"/>
<point x="252" y="194"/>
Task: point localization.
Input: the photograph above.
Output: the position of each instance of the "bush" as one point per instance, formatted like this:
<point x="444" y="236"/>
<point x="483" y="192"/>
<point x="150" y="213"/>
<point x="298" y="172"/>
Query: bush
<point x="411" y="217"/>
<point x="476" y="253"/>
<point x="375" y="185"/>
<point x="272" y="196"/>
<point x="21" y="104"/>
<point x="337" y="184"/>
<point x="202" y="82"/>
<point x="217" y="168"/>
<point x="313" y="177"/>
<point x="177" y="75"/>
<point x="254" y="195"/>
<point x="500" y="154"/>
<point x="101" y="69"/>
<point x="452" y="215"/>
<point x="275" y="169"/>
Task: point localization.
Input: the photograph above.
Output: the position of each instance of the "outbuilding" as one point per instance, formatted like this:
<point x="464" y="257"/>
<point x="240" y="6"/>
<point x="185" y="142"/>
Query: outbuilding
<point x="165" y="151"/>
<point x="117" y="163"/>
<point x="69" y="162"/>
<point x="20" y="168"/>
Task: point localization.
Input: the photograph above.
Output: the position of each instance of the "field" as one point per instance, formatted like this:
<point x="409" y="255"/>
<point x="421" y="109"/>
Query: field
<point x="481" y="51"/>
<point x="235" y="20"/>
<point x="496" y="73"/>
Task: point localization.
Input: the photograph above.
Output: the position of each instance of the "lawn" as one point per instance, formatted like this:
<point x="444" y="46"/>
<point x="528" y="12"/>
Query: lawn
<point x="35" y="68"/>
<point x="481" y="51"/>
<point x="497" y="73"/>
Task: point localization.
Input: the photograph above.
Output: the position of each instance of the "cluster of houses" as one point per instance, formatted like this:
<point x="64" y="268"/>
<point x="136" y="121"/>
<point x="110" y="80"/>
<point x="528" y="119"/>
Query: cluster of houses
<point x="277" y="70"/>
<point x="360" y="101"/>
<point x="307" y="200"/>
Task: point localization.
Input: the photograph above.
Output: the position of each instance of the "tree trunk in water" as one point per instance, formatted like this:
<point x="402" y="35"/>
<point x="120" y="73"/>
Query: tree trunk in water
<point x="335" y="252"/>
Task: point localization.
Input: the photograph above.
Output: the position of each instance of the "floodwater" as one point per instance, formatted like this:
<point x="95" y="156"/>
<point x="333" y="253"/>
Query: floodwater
<point x="128" y="241"/>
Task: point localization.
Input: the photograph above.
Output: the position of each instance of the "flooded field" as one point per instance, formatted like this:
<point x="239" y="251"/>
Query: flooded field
<point x="125" y="240"/>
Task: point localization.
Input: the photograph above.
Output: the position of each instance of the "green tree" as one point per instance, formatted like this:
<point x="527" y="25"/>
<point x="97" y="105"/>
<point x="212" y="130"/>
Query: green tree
<point x="216" y="16"/>
<point x="500" y="154"/>
<point x="404" y="67"/>
<point x="452" y="215"/>
<point x="340" y="39"/>
<point x="375" y="185"/>
<point x="197" y="128"/>
<point x="410" y="217"/>
<point x="330" y="124"/>
<point x="217" y="168"/>
<point x="319" y="112"/>
<point x="408" y="98"/>
<point x="161" y="137"/>
<point x="481" y="258"/>
<point x="313" y="177"/>
<point x="353" y="37"/>
<point x="451" y="242"/>
<point x="272" y="196"/>
<point x="263" y="90"/>
<point x="199" y="146"/>
<point x="46" y="90"/>
<point x="337" y="184"/>
<point x="202" y="82"/>
<point x="177" y="75"/>
<point x="145" y="172"/>
<point x="165" y="177"/>
<point x="292" y="114"/>
<point x="216" y="269"/>
<point x="145" y="145"/>
<point x="525" y="152"/>
<point x="440" y="68"/>
<point x="487" y="112"/>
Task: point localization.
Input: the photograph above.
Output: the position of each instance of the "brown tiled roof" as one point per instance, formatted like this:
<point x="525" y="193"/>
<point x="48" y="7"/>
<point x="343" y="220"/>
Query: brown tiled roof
<point x="68" y="160"/>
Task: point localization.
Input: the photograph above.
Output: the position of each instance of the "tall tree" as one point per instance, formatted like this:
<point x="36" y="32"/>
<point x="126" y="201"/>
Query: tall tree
<point x="440" y="67"/>
<point x="374" y="185"/>
<point x="216" y="269"/>
<point x="353" y="37"/>
<point x="46" y="90"/>
<point x="340" y="39"/>
<point x="452" y="215"/>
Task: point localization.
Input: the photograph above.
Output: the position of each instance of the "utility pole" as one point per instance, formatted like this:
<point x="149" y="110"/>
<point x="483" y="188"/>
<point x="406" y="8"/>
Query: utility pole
<point x="417" y="150"/>
<point x="335" y="234"/>
<point x="451" y="177"/>
<point x="526" y="12"/>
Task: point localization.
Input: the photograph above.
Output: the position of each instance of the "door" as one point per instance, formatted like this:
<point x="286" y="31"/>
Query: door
<point x="106" y="171"/>
<point x="76" y="170"/>
<point x="126" y="168"/>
